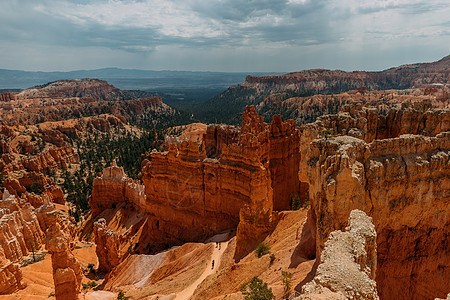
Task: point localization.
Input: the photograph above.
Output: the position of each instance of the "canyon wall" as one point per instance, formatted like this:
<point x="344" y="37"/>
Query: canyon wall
<point x="51" y="159"/>
<point x="19" y="228"/>
<point x="401" y="182"/>
<point x="20" y="234"/>
<point x="194" y="189"/>
<point x="114" y="187"/>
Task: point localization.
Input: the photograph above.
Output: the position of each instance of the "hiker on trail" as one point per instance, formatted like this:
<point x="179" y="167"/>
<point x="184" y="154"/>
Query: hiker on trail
<point x="216" y="244"/>
<point x="219" y="246"/>
<point x="212" y="264"/>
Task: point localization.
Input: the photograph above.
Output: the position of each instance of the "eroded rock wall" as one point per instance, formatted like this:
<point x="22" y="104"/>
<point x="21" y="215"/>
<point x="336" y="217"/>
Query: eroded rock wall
<point x="107" y="246"/>
<point x="67" y="272"/>
<point x="193" y="190"/>
<point x="51" y="159"/>
<point x="19" y="229"/>
<point x="197" y="189"/>
<point x="20" y="234"/>
<point x="402" y="183"/>
<point x="370" y="123"/>
<point x="10" y="277"/>
<point x="284" y="160"/>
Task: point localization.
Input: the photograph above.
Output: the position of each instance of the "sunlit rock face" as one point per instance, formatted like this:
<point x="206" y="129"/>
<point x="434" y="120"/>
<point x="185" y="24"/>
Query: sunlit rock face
<point x="196" y="189"/>
<point x="401" y="182"/>
<point x="20" y="234"/>
<point x="107" y="246"/>
<point x="67" y="272"/>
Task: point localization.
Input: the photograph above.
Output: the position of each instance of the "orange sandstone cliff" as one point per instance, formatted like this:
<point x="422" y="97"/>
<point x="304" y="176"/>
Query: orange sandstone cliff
<point x="67" y="272"/>
<point x="194" y="189"/>
<point x="401" y="180"/>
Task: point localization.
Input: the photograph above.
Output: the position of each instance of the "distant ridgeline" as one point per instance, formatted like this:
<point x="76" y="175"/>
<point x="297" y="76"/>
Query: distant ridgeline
<point x="77" y="98"/>
<point x="292" y="95"/>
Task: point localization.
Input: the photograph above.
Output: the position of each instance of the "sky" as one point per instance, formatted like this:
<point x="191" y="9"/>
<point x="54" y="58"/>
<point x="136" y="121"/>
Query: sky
<point x="222" y="35"/>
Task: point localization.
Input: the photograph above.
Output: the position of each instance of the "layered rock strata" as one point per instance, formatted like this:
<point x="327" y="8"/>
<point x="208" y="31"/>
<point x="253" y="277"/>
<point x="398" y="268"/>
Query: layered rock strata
<point x="67" y="272"/>
<point x="402" y="182"/>
<point x="107" y="249"/>
<point x="114" y="187"/>
<point x="194" y="190"/>
<point x="49" y="160"/>
<point x="370" y="123"/>
<point x="20" y="234"/>
<point x="347" y="263"/>
<point x="19" y="228"/>
<point x="10" y="276"/>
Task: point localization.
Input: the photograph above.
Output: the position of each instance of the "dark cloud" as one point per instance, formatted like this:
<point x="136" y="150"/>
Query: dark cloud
<point x="248" y="32"/>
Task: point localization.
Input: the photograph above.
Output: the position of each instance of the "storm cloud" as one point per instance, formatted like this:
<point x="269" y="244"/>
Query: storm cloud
<point x="222" y="35"/>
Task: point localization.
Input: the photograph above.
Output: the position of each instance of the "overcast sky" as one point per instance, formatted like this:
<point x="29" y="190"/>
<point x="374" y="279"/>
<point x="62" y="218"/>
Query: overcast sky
<point x="222" y="35"/>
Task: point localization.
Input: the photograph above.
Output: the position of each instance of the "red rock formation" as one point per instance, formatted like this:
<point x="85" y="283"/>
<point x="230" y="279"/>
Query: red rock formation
<point x="10" y="276"/>
<point x="94" y="88"/>
<point x="51" y="192"/>
<point x="218" y="136"/>
<point x="7" y="131"/>
<point x="107" y="247"/>
<point x="368" y="123"/>
<point x="72" y="131"/>
<point x="7" y="96"/>
<point x="347" y="263"/>
<point x="186" y="186"/>
<point x="401" y="182"/>
<point x="54" y="137"/>
<point x="27" y="147"/>
<point x="59" y="101"/>
<point x="5" y="148"/>
<point x="326" y="81"/>
<point x="56" y="194"/>
<point x="19" y="228"/>
<point x="190" y="195"/>
<point x="284" y="157"/>
<point x="99" y="124"/>
<point x="306" y="95"/>
<point x="67" y="272"/>
<point x="28" y="179"/>
<point x="19" y="233"/>
<point x="114" y="187"/>
<point x="14" y="187"/>
<point x="51" y="159"/>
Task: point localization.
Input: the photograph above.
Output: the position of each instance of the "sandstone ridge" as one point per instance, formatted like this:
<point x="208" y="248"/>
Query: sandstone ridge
<point x="196" y="189"/>
<point x="400" y="181"/>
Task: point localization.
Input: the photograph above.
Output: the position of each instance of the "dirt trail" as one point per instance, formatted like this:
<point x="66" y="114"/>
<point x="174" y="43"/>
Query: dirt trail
<point x="216" y="256"/>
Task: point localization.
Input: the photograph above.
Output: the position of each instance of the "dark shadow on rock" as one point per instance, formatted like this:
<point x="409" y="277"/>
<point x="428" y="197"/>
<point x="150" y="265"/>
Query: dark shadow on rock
<point x="306" y="248"/>
<point x="308" y="277"/>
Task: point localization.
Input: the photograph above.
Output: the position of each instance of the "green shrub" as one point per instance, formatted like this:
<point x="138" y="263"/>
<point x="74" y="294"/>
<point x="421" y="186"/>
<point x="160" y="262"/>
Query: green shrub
<point x="256" y="289"/>
<point x="36" y="188"/>
<point x="37" y="257"/>
<point x="90" y="284"/>
<point x="287" y="281"/>
<point x="262" y="249"/>
<point x="121" y="296"/>
<point x="295" y="202"/>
